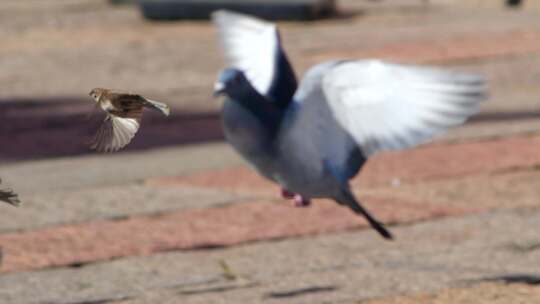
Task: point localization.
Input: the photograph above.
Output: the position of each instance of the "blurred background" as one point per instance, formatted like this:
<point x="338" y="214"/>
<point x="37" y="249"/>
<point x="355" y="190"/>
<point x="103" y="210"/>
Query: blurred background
<point x="177" y="217"/>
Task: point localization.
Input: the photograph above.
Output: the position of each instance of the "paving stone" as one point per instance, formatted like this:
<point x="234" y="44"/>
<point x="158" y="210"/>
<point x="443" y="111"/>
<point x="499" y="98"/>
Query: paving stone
<point x="431" y="162"/>
<point x="268" y="9"/>
<point x="107" y="203"/>
<point x="19" y="246"/>
<point x="102" y="170"/>
<point x="484" y="190"/>
<point x="489" y="293"/>
<point x="125" y="63"/>
<point x="240" y="223"/>
<point x="195" y="229"/>
<point x="451" y="161"/>
<point x="106" y="170"/>
<point x="468" y="48"/>
<point x="506" y="189"/>
<point x="339" y="268"/>
<point x="494" y="129"/>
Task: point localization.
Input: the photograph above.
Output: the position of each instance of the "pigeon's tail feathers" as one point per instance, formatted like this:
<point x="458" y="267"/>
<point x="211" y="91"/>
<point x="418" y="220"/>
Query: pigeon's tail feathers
<point x="163" y="108"/>
<point x="348" y="199"/>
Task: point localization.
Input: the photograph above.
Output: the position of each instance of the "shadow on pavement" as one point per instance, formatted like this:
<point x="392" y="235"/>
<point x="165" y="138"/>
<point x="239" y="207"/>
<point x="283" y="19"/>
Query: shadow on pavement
<point x="528" y="279"/>
<point x="301" y="291"/>
<point x="218" y="289"/>
<point x="36" y="128"/>
<point x="504" y="116"/>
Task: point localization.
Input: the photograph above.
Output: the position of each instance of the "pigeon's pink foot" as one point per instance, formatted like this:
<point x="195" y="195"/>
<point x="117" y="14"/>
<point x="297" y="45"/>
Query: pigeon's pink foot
<point x="299" y="201"/>
<point x="286" y="193"/>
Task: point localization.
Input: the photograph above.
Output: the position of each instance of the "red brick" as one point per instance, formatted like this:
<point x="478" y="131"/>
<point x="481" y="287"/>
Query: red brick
<point x="437" y="161"/>
<point x="442" y="161"/>
<point x="234" y="224"/>
<point x="467" y="47"/>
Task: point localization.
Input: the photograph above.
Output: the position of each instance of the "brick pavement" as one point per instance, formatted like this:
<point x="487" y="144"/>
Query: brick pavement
<point x="97" y="229"/>
<point x="242" y="222"/>
<point x="484" y="293"/>
<point x="432" y="162"/>
<point x="336" y="268"/>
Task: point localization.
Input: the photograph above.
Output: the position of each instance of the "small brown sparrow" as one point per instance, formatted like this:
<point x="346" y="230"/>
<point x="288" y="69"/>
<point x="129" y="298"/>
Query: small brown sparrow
<point x="8" y="196"/>
<point x="124" y="112"/>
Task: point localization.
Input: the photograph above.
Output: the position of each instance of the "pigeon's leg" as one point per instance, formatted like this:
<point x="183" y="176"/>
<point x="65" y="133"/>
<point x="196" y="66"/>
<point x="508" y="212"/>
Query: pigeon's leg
<point x="300" y="201"/>
<point x="286" y="193"/>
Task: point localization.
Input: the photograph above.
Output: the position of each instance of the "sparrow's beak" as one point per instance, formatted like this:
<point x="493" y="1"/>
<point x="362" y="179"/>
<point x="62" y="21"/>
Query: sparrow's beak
<point x="219" y="89"/>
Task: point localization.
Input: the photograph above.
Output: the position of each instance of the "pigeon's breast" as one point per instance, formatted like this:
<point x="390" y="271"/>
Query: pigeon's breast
<point x="301" y="157"/>
<point x="248" y="137"/>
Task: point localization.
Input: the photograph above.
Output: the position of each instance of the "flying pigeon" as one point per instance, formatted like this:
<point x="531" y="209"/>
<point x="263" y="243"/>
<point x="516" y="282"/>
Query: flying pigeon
<point x="124" y="112"/>
<point x="312" y="138"/>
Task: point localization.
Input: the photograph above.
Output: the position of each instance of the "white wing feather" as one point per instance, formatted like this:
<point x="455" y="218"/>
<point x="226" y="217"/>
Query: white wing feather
<point x="250" y="45"/>
<point x="115" y="133"/>
<point x="388" y="106"/>
<point x="375" y="106"/>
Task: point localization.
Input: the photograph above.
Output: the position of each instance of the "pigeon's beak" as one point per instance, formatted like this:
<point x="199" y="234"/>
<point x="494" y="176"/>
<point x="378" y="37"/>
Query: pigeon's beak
<point x="219" y="89"/>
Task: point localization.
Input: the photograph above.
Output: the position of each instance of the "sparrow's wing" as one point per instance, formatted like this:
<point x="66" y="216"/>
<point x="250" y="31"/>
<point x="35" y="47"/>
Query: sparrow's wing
<point x="8" y="196"/>
<point x="350" y="110"/>
<point x="127" y="105"/>
<point x="115" y="132"/>
<point x="254" y="46"/>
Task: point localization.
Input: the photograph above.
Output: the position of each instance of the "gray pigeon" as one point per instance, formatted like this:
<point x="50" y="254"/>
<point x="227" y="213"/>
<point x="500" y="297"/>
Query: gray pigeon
<point x="314" y="138"/>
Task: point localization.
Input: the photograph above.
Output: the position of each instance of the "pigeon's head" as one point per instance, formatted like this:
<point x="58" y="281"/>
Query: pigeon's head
<point x="97" y="93"/>
<point x="231" y="82"/>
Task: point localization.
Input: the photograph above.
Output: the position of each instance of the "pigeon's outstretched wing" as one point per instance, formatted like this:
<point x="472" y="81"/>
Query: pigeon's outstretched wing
<point x="389" y="106"/>
<point x="375" y="106"/>
<point x="254" y="47"/>
<point x="115" y="133"/>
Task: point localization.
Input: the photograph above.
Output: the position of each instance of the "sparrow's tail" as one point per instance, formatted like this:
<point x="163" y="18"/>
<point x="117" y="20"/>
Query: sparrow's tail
<point x="347" y="198"/>
<point x="163" y="108"/>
